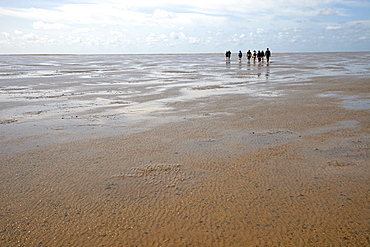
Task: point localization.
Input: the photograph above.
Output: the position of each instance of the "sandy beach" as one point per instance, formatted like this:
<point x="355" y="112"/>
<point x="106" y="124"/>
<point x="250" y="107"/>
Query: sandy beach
<point x="205" y="154"/>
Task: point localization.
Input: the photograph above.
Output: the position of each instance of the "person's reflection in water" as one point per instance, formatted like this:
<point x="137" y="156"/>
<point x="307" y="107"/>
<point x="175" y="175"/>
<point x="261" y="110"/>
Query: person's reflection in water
<point x="267" y="71"/>
<point x="248" y="65"/>
<point x="228" y="64"/>
<point x="240" y="64"/>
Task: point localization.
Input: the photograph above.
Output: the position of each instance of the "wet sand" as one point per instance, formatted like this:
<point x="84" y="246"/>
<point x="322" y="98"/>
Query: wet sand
<point x="225" y="170"/>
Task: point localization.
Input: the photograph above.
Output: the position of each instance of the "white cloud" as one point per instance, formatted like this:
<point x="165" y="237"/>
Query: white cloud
<point x="235" y="7"/>
<point x="359" y="24"/>
<point x="180" y="36"/>
<point x="194" y="40"/>
<point x="49" y="26"/>
<point x="209" y="25"/>
<point x="156" y="38"/>
<point x="294" y="30"/>
<point x="329" y="12"/>
<point x="6" y="34"/>
<point x="115" y="33"/>
<point x="333" y="27"/>
<point x="31" y="37"/>
<point x="82" y="30"/>
<point x="163" y="14"/>
<point x="73" y="39"/>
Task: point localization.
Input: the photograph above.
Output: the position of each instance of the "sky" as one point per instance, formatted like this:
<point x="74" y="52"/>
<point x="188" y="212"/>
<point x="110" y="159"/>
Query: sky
<point x="186" y="26"/>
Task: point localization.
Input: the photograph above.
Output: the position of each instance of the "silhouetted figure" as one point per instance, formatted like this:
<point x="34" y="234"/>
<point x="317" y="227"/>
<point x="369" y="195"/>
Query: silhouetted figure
<point x="268" y="55"/>
<point x="259" y="56"/>
<point x="228" y="55"/>
<point x="240" y="55"/>
<point x="249" y="55"/>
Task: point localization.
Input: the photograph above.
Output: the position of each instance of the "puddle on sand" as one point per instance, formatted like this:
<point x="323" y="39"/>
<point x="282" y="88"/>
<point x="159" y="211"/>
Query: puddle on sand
<point x="357" y="104"/>
<point x="353" y="102"/>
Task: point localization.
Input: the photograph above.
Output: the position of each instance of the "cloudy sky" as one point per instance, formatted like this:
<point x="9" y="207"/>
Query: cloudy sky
<point x="186" y="26"/>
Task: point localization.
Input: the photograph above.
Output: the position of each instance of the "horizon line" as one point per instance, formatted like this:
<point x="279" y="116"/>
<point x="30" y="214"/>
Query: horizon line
<point x="169" y="53"/>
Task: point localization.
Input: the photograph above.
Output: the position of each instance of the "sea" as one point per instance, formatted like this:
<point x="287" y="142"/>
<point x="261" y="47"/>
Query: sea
<point x="40" y="94"/>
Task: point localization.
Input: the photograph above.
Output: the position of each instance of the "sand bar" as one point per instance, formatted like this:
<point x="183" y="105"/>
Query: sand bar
<point x="205" y="154"/>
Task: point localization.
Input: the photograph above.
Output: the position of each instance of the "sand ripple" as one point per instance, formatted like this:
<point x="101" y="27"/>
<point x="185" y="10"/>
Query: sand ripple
<point x="168" y="174"/>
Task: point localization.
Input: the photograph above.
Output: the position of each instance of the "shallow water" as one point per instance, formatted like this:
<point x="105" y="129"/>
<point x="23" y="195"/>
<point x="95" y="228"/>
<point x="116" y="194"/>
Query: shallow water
<point x="66" y="92"/>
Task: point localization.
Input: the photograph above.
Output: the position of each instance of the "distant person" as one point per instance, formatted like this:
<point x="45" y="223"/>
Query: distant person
<point x="249" y="55"/>
<point x="262" y="55"/>
<point x="228" y="55"/>
<point x="254" y="56"/>
<point x="268" y="55"/>
<point x="259" y="56"/>
<point x="240" y="55"/>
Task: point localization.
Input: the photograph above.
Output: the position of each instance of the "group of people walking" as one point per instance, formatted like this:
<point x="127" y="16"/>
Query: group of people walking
<point x="259" y="55"/>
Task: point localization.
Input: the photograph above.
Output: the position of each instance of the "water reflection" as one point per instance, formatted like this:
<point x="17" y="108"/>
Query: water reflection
<point x="240" y="64"/>
<point x="83" y="79"/>
<point x="227" y="64"/>
<point x="259" y="69"/>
